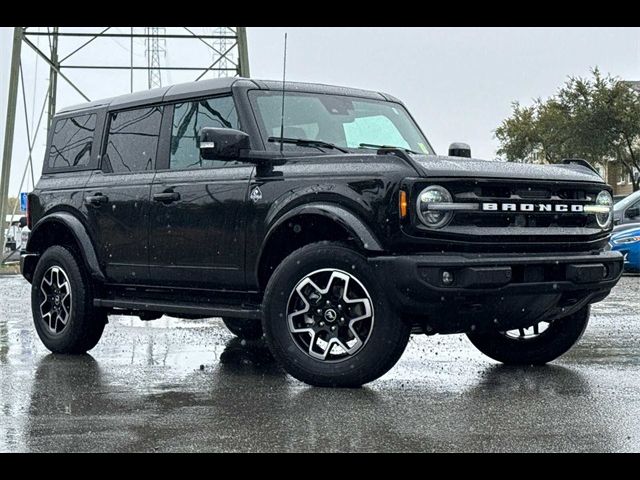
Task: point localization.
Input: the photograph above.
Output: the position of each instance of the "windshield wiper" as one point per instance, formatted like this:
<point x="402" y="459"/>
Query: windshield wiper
<point x="306" y="143"/>
<point x="373" y="145"/>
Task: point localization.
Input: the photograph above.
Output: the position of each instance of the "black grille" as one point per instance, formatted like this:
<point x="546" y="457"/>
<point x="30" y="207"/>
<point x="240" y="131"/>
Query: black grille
<point x="520" y="230"/>
<point x="522" y="220"/>
<point x="477" y="191"/>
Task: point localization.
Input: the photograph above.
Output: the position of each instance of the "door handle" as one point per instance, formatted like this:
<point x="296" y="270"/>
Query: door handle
<point x="166" y="197"/>
<point x="96" y="200"/>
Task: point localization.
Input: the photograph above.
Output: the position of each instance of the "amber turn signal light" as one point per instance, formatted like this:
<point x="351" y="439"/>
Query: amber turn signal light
<point x="403" y="203"/>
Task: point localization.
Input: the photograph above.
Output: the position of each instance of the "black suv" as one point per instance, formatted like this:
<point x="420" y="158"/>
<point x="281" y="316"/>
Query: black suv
<point x="334" y="229"/>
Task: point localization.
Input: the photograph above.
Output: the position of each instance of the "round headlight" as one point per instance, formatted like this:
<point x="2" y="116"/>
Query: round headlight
<point x="430" y="197"/>
<point x="604" y="199"/>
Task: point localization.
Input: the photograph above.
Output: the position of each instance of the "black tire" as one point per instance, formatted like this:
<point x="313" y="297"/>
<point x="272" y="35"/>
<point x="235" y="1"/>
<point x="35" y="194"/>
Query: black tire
<point x="245" y="328"/>
<point x="556" y="340"/>
<point x="85" y="323"/>
<point x="387" y="334"/>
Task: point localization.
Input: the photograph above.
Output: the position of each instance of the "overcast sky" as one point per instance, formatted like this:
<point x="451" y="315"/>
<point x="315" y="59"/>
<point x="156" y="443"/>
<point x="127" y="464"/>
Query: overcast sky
<point x="459" y="83"/>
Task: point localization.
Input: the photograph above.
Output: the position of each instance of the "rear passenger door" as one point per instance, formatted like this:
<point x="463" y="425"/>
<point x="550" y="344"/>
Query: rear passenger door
<point x="196" y="234"/>
<point x="117" y="195"/>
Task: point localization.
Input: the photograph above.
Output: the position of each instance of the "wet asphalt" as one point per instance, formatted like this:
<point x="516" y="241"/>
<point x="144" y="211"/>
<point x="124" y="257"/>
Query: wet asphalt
<point x="189" y="385"/>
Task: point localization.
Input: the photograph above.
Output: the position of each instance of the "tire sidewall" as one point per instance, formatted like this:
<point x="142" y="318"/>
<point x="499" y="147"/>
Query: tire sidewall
<point x="562" y="334"/>
<point x="65" y="340"/>
<point x="386" y="332"/>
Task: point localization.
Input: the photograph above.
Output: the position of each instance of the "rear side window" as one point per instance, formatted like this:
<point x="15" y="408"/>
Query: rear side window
<point x="132" y="140"/>
<point x="72" y="142"/>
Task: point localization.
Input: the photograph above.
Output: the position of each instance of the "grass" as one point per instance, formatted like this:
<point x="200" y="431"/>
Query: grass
<point x="9" y="269"/>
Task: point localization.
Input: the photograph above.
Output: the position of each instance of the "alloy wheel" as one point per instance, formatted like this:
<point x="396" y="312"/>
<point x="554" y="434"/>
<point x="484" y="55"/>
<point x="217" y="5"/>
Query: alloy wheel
<point x="330" y="315"/>
<point x="55" y="309"/>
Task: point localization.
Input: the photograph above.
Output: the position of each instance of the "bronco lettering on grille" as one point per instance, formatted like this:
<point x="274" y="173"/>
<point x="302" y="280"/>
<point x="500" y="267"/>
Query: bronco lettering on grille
<point x="532" y="207"/>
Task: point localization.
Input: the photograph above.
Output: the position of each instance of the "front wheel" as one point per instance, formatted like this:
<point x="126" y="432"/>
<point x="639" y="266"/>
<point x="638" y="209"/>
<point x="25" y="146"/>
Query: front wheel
<point x="327" y="319"/>
<point x="535" y="345"/>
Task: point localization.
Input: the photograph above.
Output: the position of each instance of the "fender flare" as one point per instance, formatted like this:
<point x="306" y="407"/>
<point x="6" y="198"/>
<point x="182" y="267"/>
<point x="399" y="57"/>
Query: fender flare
<point x="346" y="219"/>
<point x="80" y="234"/>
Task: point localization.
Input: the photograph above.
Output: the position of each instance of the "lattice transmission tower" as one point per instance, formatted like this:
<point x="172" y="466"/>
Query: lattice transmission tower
<point x="65" y="50"/>
<point x="156" y="47"/>
<point x="222" y="44"/>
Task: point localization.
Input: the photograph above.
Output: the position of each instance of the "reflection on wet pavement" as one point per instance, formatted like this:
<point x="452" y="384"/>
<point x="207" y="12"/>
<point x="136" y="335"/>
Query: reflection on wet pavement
<point x="189" y="385"/>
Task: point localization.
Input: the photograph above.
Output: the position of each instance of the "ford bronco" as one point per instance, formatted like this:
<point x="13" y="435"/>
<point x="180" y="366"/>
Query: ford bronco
<point x="317" y="216"/>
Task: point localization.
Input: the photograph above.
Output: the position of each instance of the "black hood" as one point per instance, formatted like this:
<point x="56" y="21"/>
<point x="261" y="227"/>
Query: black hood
<point x="441" y="166"/>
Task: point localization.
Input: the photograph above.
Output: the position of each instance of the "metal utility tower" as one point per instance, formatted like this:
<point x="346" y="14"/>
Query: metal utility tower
<point x="156" y="45"/>
<point x="229" y="58"/>
<point x="221" y="44"/>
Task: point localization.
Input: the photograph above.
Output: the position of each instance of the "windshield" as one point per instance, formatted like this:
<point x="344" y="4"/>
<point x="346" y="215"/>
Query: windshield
<point x="626" y="201"/>
<point x="346" y="122"/>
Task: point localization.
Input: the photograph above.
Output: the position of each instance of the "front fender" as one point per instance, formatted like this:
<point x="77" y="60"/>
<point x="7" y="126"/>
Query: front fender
<point x="338" y="214"/>
<point x="38" y="237"/>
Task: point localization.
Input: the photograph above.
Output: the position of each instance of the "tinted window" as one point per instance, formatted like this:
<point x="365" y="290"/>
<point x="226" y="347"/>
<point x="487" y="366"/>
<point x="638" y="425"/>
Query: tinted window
<point x="188" y="119"/>
<point x="132" y="141"/>
<point x="72" y="141"/>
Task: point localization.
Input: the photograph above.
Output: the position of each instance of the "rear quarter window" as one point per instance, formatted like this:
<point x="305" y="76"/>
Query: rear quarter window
<point x="72" y="142"/>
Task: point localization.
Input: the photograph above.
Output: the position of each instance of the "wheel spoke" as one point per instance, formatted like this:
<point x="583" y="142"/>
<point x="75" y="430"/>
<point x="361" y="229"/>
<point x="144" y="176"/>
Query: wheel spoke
<point x="44" y="302"/>
<point x="48" y="321"/>
<point x="66" y="314"/>
<point x="55" y="277"/>
<point x="527" y="333"/>
<point x="312" y="345"/>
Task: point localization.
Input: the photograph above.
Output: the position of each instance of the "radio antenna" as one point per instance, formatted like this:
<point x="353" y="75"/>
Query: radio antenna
<point x="284" y="77"/>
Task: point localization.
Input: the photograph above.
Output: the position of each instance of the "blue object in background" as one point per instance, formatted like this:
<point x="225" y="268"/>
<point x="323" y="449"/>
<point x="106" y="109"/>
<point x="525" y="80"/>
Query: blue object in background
<point x="627" y="241"/>
<point x="23" y="201"/>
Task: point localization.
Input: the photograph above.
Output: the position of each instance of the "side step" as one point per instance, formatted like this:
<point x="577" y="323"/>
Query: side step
<point x="180" y="308"/>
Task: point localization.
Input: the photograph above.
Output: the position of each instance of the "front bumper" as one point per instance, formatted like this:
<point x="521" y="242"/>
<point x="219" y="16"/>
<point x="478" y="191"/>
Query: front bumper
<point x="490" y="290"/>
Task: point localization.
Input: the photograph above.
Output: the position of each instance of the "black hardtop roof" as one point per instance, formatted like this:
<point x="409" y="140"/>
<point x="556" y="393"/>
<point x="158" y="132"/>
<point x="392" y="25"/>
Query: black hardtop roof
<point x="216" y="86"/>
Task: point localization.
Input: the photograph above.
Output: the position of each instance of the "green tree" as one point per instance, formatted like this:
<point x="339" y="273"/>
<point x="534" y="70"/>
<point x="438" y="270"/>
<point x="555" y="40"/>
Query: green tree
<point x="11" y="204"/>
<point x="595" y="118"/>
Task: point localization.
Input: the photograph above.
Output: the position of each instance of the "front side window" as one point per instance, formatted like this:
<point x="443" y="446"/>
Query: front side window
<point x="188" y="119"/>
<point x="72" y="142"/>
<point x="132" y="141"/>
<point x="347" y="122"/>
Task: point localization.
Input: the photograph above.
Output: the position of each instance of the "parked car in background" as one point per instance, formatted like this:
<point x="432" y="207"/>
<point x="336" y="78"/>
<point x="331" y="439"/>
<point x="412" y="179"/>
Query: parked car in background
<point x="617" y="198"/>
<point x="627" y="210"/>
<point x="626" y="240"/>
<point x="24" y="237"/>
<point x="12" y="234"/>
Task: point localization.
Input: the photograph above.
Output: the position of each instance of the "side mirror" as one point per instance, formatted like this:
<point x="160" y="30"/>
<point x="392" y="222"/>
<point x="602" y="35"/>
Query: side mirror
<point x="222" y="143"/>
<point x="459" y="149"/>
<point x="632" y="212"/>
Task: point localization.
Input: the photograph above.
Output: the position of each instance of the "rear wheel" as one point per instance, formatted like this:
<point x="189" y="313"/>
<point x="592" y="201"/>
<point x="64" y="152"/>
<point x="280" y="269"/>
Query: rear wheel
<point x="327" y="318"/>
<point x="245" y="328"/>
<point x="62" y="304"/>
<point x="535" y="345"/>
